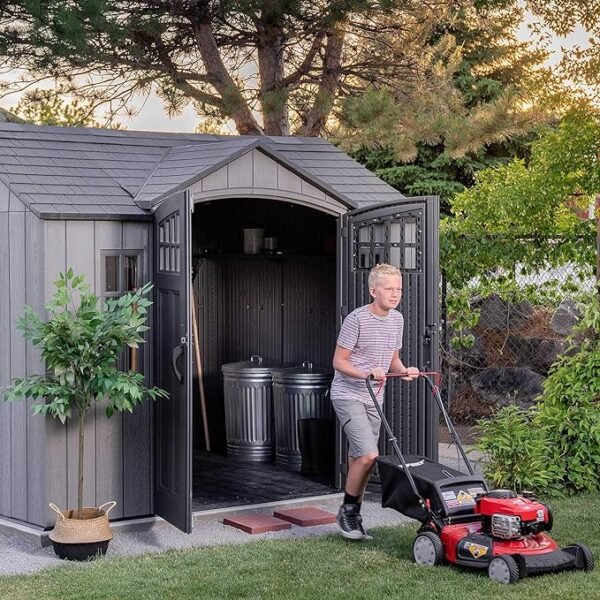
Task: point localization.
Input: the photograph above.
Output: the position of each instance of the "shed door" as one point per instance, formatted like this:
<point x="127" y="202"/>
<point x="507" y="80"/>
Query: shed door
<point x="172" y="360"/>
<point x="404" y="235"/>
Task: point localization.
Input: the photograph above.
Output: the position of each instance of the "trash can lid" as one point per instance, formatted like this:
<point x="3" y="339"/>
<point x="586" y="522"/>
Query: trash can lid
<point x="307" y="373"/>
<point x="255" y="366"/>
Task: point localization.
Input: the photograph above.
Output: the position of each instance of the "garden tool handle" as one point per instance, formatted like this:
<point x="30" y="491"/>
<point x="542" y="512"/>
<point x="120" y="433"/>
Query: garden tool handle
<point x="394" y="441"/>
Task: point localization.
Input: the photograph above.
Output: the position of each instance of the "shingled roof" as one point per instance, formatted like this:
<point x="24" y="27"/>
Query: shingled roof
<point x="72" y="173"/>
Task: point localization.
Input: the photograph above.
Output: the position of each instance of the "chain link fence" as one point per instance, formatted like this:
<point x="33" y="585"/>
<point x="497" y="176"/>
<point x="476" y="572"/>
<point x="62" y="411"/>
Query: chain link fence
<point x="515" y="341"/>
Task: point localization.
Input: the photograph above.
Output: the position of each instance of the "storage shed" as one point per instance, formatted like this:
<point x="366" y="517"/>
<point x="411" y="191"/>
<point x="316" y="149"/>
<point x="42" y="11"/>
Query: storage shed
<point x="126" y="207"/>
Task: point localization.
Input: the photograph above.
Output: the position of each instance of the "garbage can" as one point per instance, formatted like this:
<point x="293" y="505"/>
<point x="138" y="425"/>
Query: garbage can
<point x="249" y="418"/>
<point x="298" y="393"/>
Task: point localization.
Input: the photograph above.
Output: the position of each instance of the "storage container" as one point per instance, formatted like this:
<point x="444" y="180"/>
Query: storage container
<point x="298" y="393"/>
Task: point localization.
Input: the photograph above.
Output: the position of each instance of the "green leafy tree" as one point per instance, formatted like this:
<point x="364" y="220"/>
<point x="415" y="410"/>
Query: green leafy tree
<point x="520" y="217"/>
<point x="80" y="344"/>
<point x="273" y="67"/>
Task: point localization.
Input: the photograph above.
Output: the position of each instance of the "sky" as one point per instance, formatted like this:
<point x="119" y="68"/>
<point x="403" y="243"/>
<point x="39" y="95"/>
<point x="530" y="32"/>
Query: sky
<point x="151" y="116"/>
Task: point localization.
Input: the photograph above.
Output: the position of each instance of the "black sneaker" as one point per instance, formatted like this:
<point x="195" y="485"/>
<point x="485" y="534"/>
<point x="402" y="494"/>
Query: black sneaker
<point x="350" y="522"/>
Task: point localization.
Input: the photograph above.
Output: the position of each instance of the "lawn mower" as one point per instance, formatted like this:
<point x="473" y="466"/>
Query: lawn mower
<point x="464" y="522"/>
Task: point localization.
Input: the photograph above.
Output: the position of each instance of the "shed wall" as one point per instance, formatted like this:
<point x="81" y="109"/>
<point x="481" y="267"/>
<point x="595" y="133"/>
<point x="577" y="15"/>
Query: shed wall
<point x="22" y="435"/>
<point x="38" y="457"/>
<point x="118" y="451"/>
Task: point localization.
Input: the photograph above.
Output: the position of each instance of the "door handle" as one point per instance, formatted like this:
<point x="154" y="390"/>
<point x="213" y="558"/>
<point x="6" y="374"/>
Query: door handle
<point x="177" y="352"/>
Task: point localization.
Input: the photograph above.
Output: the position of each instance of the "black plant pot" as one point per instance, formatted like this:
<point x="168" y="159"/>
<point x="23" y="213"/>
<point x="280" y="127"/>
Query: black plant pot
<point x="80" y="551"/>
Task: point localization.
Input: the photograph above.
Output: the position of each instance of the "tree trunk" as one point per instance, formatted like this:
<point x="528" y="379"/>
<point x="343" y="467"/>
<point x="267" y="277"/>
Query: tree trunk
<point x="81" y="423"/>
<point x="273" y="95"/>
<point x="234" y="103"/>
<point x="314" y="122"/>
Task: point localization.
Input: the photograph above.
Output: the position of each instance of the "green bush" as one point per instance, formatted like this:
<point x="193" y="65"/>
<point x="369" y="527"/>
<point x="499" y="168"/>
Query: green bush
<point x="555" y="446"/>
<point x="516" y="452"/>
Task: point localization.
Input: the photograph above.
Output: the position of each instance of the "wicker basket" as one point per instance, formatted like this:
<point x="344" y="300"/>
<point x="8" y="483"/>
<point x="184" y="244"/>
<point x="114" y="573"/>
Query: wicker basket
<point x="91" y="526"/>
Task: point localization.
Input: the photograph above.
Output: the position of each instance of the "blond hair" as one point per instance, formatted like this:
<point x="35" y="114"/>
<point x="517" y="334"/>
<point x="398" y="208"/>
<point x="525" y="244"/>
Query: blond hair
<point x="378" y="272"/>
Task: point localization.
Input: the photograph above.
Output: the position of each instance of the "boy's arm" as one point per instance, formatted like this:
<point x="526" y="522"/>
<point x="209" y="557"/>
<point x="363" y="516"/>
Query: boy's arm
<point x="397" y="366"/>
<point x="341" y="363"/>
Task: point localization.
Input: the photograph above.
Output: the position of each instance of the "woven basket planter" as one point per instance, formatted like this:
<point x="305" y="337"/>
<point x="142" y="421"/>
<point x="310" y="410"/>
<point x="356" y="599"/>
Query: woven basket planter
<point x="83" y="537"/>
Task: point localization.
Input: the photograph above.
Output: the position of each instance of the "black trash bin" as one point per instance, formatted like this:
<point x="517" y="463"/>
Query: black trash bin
<point x="316" y="439"/>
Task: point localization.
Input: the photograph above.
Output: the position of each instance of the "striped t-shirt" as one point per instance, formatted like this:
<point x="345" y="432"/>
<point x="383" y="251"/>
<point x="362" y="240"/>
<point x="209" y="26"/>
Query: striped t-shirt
<point x="373" y="341"/>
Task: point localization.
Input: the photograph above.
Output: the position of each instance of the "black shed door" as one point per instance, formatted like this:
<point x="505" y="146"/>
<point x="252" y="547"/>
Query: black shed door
<point x="172" y="361"/>
<point x="404" y="235"/>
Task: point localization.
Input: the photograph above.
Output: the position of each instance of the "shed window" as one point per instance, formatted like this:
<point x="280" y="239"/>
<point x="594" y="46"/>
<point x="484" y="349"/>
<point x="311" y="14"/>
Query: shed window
<point x="122" y="275"/>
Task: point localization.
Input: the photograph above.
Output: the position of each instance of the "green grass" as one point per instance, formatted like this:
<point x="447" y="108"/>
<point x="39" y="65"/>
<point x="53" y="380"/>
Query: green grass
<point x="320" y="568"/>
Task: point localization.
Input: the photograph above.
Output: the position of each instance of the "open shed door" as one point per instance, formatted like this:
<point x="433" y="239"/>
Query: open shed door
<point x="172" y="361"/>
<point x="405" y="235"/>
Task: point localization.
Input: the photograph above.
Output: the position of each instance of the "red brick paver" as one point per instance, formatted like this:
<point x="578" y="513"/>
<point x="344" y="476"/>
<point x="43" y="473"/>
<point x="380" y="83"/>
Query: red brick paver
<point x="256" y="523"/>
<point x="305" y="517"/>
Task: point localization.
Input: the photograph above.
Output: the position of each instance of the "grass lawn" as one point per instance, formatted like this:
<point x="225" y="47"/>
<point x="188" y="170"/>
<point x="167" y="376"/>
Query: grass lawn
<point x="320" y="568"/>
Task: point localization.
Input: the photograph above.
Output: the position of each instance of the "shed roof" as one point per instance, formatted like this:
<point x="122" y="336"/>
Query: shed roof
<point x="77" y="173"/>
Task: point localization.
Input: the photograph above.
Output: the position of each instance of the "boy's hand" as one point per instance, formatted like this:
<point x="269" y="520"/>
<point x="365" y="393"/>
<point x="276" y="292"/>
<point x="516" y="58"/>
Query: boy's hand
<point x="377" y="373"/>
<point x="411" y="373"/>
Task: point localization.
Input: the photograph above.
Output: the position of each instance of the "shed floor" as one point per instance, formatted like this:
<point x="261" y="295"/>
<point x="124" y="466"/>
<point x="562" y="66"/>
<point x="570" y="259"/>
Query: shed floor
<point x="220" y="481"/>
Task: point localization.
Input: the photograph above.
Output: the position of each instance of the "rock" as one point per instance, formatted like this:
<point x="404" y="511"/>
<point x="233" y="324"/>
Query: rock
<point x="565" y="317"/>
<point x="496" y="313"/>
<point x="537" y="353"/>
<point x="508" y="385"/>
<point x="464" y="358"/>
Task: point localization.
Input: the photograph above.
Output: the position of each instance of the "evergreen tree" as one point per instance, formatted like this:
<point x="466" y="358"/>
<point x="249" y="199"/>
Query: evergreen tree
<point x="499" y="93"/>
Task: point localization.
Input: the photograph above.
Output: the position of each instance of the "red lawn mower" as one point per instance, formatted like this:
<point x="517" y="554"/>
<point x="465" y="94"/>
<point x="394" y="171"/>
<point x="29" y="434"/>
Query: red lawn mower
<point x="465" y="523"/>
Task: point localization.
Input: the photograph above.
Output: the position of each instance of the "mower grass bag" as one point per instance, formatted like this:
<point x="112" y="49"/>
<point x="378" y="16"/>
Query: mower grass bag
<point x="450" y="493"/>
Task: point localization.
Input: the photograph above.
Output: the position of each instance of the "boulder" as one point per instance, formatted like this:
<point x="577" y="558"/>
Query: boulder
<point x="565" y="317"/>
<point x="465" y="358"/>
<point x="537" y="353"/>
<point x="500" y="386"/>
<point x="496" y="313"/>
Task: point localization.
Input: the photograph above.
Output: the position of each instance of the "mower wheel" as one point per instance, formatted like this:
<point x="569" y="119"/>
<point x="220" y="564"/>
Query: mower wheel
<point x="503" y="569"/>
<point x="428" y="549"/>
<point x="584" y="555"/>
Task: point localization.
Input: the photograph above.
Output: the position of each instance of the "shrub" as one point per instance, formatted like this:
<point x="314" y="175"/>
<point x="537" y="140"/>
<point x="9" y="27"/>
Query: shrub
<point x="555" y="446"/>
<point x="516" y="452"/>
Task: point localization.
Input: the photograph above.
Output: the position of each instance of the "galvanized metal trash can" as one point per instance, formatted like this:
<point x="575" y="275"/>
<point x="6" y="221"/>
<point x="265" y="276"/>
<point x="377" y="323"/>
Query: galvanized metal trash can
<point x="249" y="418"/>
<point x="298" y="393"/>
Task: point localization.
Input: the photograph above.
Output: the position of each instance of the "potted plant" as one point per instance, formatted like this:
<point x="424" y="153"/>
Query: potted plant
<point x="80" y="344"/>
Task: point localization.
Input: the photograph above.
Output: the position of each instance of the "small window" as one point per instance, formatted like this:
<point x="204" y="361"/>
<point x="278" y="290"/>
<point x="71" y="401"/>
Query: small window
<point x="111" y="274"/>
<point x="122" y="275"/>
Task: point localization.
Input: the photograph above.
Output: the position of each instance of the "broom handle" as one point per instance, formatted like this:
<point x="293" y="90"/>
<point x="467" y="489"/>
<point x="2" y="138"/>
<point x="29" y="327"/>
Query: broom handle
<point x="199" y="366"/>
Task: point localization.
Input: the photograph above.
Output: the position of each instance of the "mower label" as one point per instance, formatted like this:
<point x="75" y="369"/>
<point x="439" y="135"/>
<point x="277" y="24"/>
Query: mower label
<point x="475" y="491"/>
<point x="464" y="498"/>
<point x="449" y="495"/>
<point x="476" y="550"/>
<point x="540" y="515"/>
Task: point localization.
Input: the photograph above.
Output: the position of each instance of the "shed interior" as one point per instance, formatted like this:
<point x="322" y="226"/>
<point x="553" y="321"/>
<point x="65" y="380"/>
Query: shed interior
<point x="279" y="304"/>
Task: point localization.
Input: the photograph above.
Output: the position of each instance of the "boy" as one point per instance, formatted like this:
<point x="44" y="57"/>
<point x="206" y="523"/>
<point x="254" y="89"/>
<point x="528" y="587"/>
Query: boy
<point x="368" y="344"/>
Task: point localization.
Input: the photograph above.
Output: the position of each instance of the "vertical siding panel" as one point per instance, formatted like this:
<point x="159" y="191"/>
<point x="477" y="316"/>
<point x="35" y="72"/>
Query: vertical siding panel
<point x="56" y="433"/>
<point x="81" y="258"/>
<point x="5" y="408"/>
<point x="18" y="359"/>
<point x="36" y="424"/>
<point x="138" y="485"/>
<point x="109" y="432"/>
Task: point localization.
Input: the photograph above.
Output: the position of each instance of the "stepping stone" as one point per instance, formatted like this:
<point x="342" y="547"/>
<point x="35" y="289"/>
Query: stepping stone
<point x="256" y="523"/>
<point x="306" y="516"/>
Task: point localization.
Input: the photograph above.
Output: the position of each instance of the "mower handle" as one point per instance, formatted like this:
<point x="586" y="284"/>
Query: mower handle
<point x="436" y="394"/>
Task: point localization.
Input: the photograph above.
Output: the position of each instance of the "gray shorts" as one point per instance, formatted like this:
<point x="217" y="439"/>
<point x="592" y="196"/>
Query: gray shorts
<point x="361" y="424"/>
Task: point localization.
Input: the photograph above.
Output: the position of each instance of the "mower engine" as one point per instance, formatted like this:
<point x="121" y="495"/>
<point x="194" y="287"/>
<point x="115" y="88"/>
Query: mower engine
<point x="507" y="516"/>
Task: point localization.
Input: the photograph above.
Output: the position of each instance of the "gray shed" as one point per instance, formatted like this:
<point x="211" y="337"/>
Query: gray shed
<point x="126" y="207"/>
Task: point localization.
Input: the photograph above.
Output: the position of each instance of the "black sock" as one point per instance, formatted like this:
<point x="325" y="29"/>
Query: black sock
<point x="349" y="499"/>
